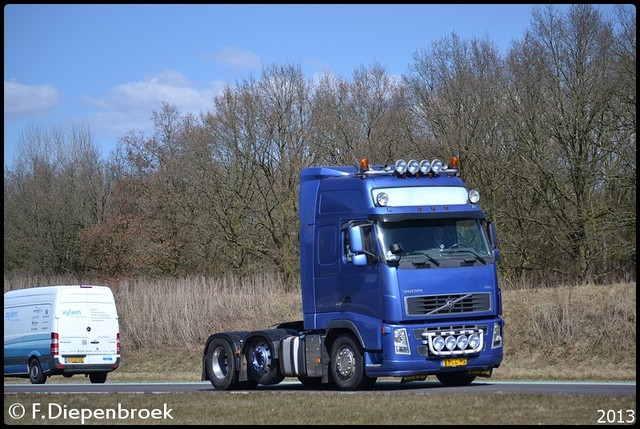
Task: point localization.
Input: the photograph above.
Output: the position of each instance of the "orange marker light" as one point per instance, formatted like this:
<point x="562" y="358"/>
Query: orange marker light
<point x="364" y="164"/>
<point x="453" y="162"/>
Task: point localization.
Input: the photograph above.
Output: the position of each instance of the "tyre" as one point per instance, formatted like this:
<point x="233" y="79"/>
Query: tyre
<point x="347" y="365"/>
<point x="98" y="377"/>
<point x="35" y="372"/>
<point x="262" y="366"/>
<point x="458" y="378"/>
<point x="220" y="365"/>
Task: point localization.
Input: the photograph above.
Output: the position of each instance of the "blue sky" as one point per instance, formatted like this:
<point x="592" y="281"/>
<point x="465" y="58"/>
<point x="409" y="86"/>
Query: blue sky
<point x="109" y="66"/>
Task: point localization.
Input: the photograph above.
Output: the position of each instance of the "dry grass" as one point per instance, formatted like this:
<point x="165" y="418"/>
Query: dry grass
<point x="574" y="332"/>
<point x="178" y="313"/>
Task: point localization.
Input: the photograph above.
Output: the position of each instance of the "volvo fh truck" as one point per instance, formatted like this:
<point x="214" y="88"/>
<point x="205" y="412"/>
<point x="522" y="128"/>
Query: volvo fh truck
<point x="398" y="279"/>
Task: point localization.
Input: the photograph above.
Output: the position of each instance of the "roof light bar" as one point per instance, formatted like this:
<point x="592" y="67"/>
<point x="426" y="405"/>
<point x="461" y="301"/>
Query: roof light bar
<point x="412" y="168"/>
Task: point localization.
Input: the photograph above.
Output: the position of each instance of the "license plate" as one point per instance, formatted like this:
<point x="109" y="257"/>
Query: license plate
<point x="454" y="362"/>
<point x="75" y="360"/>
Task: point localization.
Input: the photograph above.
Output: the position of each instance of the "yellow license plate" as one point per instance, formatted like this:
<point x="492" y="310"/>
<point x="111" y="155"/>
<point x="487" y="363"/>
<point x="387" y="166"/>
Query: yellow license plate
<point x="75" y="360"/>
<point x="454" y="362"/>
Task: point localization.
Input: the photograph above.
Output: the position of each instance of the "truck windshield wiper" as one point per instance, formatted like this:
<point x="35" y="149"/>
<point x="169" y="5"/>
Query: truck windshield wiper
<point x="426" y="255"/>
<point x="466" y="250"/>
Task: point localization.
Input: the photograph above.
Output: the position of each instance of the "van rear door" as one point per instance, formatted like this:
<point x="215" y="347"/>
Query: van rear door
<point x="88" y="326"/>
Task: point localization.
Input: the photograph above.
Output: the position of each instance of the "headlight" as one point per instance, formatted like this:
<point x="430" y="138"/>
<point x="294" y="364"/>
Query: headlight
<point x="401" y="166"/>
<point x="425" y="166"/>
<point x="474" y="341"/>
<point x="497" y="338"/>
<point x="450" y="342"/>
<point x="436" y="166"/>
<point x="413" y="167"/>
<point x="382" y="199"/>
<point x="474" y="196"/>
<point x="400" y="341"/>
<point x="438" y="343"/>
<point x="462" y="342"/>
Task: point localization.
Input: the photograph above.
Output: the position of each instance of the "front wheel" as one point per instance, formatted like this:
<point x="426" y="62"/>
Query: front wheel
<point x="458" y="378"/>
<point x="347" y="365"/>
<point x="36" y="376"/>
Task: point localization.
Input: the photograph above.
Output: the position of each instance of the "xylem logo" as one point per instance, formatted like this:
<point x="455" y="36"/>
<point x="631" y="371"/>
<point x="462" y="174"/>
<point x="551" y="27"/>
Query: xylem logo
<point x="72" y="313"/>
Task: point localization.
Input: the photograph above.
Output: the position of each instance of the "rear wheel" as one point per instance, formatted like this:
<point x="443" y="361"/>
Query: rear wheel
<point x="35" y="372"/>
<point x="98" y="377"/>
<point x="347" y="365"/>
<point x="458" y="378"/>
<point x="263" y="367"/>
<point x="220" y="365"/>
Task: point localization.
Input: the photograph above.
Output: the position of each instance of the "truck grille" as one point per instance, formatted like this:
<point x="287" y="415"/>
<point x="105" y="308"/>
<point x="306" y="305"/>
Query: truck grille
<point x="430" y="305"/>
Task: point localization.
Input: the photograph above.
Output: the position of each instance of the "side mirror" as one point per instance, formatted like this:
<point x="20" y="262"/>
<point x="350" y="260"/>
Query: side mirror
<point x="355" y="239"/>
<point x="493" y="235"/>
<point x="359" y="260"/>
<point x="395" y="249"/>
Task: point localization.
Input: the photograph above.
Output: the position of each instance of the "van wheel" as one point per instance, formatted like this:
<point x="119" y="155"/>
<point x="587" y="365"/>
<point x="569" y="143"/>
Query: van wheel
<point x="98" y="377"/>
<point x="35" y="372"/>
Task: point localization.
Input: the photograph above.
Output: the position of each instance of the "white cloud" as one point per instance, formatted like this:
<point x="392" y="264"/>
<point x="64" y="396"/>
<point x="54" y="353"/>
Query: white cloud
<point x="129" y="106"/>
<point x="22" y="99"/>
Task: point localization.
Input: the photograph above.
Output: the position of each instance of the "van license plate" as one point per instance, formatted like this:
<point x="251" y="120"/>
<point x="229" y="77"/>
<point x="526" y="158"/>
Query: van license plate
<point x="454" y="362"/>
<point x="75" y="360"/>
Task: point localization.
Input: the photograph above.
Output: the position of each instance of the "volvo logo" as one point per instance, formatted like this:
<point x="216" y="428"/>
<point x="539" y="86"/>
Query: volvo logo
<point x="449" y="303"/>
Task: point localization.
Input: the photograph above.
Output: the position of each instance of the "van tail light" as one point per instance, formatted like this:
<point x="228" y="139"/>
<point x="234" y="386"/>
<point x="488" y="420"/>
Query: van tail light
<point x="55" y="344"/>
<point x="118" y="343"/>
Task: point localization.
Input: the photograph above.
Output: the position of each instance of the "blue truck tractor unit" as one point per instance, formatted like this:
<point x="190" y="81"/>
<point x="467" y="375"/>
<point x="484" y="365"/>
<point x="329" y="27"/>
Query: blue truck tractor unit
<point x="398" y="279"/>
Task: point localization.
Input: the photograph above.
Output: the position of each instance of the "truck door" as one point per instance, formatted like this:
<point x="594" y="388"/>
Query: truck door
<point x="360" y="285"/>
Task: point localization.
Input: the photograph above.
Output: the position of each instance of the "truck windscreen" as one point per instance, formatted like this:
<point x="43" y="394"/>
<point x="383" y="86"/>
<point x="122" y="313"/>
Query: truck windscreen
<point x="437" y="237"/>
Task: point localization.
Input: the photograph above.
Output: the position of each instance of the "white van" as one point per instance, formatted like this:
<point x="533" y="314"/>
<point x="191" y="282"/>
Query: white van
<point x="61" y="330"/>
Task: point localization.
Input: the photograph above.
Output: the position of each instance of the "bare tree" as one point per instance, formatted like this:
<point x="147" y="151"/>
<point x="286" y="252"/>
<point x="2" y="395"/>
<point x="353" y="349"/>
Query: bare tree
<point x="260" y="134"/>
<point x="457" y="99"/>
<point x="362" y="118"/>
<point x="563" y="87"/>
<point x="57" y="188"/>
